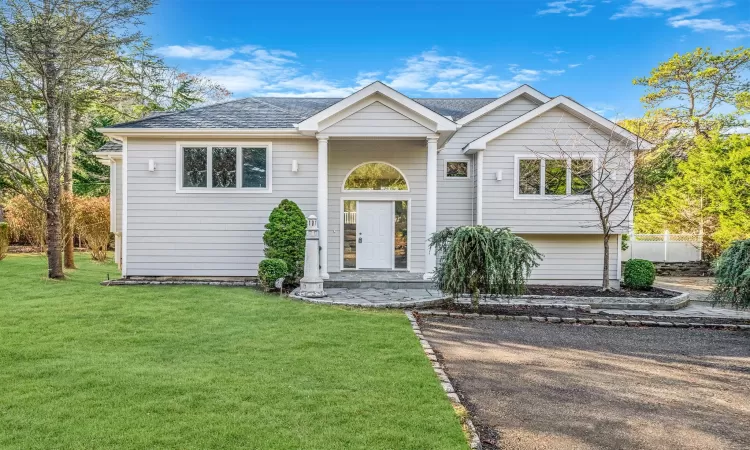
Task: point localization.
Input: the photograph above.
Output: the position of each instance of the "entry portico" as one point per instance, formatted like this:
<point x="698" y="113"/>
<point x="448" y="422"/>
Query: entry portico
<point x="373" y="126"/>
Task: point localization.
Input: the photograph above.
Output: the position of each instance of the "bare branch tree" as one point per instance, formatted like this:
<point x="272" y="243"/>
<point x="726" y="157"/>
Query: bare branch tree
<point x="594" y="169"/>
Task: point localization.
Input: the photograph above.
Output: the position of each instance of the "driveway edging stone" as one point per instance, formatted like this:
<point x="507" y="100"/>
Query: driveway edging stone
<point x="587" y="321"/>
<point x="474" y="442"/>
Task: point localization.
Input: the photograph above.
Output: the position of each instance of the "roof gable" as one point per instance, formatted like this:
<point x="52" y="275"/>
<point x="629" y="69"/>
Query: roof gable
<point x="377" y="89"/>
<point x="571" y="107"/>
<point x="525" y="91"/>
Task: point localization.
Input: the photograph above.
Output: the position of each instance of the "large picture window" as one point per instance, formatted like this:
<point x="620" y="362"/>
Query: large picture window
<point x="554" y="177"/>
<point x="224" y="168"/>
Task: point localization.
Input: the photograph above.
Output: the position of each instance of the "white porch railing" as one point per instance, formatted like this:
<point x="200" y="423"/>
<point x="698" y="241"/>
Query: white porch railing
<point x="665" y="247"/>
<point x="350" y="218"/>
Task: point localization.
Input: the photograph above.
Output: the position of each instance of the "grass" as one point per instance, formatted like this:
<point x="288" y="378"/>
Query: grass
<point x="87" y="366"/>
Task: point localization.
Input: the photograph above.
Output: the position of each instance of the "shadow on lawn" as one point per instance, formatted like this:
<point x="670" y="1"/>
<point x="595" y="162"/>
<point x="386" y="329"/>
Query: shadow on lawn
<point x="560" y="386"/>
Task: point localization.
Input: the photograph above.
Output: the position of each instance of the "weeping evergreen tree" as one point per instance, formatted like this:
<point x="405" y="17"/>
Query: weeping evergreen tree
<point x="479" y="260"/>
<point x="733" y="276"/>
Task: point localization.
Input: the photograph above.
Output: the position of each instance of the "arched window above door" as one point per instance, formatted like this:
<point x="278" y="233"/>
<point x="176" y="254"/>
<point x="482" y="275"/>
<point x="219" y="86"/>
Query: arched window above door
<point x="375" y="176"/>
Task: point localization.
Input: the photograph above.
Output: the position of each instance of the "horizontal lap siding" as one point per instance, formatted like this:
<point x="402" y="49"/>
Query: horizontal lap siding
<point x="558" y="216"/>
<point x="455" y="198"/>
<point x="572" y="259"/>
<point x="410" y="157"/>
<point x="172" y="234"/>
<point x="376" y="120"/>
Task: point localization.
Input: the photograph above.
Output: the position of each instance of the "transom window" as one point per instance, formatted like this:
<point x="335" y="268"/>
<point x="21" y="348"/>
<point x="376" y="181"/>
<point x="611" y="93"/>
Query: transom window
<point x="375" y="176"/>
<point x="457" y="169"/>
<point x="554" y="177"/>
<point x="224" y="168"/>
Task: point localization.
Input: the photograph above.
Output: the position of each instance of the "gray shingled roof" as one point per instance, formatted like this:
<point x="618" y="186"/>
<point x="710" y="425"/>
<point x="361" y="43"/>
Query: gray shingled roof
<point x="111" y="146"/>
<point x="280" y="112"/>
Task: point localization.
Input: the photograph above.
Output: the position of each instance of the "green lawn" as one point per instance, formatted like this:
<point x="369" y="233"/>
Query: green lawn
<point x="87" y="366"/>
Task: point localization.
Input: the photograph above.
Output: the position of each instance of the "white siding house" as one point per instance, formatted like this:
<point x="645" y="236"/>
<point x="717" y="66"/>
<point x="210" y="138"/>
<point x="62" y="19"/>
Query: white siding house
<point x="192" y="191"/>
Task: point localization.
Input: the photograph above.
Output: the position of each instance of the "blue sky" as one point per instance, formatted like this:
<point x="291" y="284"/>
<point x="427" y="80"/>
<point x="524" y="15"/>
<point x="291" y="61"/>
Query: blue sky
<point x="586" y="49"/>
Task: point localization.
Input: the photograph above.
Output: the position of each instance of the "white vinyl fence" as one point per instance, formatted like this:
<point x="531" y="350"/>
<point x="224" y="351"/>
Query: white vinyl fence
<point x="665" y="247"/>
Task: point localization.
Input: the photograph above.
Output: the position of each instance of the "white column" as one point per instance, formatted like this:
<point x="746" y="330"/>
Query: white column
<point x="323" y="204"/>
<point x="431" y="204"/>
<point x="480" y="185"/>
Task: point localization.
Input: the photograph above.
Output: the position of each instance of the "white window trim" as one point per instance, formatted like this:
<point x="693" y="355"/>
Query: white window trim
<point x="348" y="174"/>
<point x="543" y="159"/>
<point x="468" y="169"/>
<point x="212" y="190"/>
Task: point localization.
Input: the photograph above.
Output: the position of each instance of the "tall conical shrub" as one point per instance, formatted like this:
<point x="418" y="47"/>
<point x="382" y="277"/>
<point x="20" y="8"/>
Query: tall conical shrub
<point x="285" y="237"/>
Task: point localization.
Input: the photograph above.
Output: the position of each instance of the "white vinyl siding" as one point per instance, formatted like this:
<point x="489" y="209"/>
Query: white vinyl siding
<point x="409" y="157"/>
<point x="572" y="259"/>
<point x="171" y="234"/>
<point x="558" y="215"/>
<point x="455" y="197"/>
<point x="376" y="119"/>
<point x="118" y="196"/>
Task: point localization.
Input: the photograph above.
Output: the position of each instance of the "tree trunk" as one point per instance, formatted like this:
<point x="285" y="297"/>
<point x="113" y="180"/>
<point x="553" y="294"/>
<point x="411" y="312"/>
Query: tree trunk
<point x="54" y="222"/>
<point x="68" y="186"/>
<point x="605" y="268"/>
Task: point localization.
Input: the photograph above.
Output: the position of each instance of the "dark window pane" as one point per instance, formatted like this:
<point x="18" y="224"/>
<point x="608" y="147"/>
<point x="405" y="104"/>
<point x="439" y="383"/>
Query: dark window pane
<point x="350" y="234"/>
<point x="401" y="237"/>
<point x="194" y="167"/>
<point x="555" y="176"/>
<point x="254" y="167"/>
<point x="457" y="169"/>
<point x="375" y="177"/>
<point x="224" y="170"/>
<point x="581" y="176"/>
<point x="529" y="176"/>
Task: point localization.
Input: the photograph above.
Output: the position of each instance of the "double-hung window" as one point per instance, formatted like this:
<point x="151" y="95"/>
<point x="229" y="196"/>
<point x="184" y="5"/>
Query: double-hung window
<point x="224" y="167"/>
<point x="553" y="177"/>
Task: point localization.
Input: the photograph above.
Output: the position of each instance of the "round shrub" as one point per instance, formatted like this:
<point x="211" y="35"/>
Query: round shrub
<point x="733" y="276"/>
<point x="285" y="237"/>
<point x="639" y="274"/>
<point x="4" y="239"/>
<point x="270" y="270"/>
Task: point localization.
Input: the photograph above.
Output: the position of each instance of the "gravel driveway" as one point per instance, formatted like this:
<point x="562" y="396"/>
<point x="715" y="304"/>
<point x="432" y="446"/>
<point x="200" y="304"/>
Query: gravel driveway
<point x="545" y="386"/>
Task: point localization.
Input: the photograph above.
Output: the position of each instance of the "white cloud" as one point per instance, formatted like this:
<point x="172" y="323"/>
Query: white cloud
<point x="434" y="73"/>
<point x="703" y="25"/>
<point x="573" y="66"/>
<point x="572" y="8"/>
<point x="203" y="52"/>
<point x="683" y="8"/>
<point x="254" y="70"/>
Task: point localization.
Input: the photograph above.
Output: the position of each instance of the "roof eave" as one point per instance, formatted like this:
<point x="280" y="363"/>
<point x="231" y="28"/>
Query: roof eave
<point x="230" y="132"/>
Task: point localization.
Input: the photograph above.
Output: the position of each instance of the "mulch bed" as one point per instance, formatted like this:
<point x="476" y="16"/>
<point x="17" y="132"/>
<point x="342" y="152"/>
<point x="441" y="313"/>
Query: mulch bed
<point x="595" y="291"/>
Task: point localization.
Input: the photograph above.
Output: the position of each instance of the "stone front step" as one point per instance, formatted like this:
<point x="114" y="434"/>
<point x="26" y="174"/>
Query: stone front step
<point x="361" y="279"/>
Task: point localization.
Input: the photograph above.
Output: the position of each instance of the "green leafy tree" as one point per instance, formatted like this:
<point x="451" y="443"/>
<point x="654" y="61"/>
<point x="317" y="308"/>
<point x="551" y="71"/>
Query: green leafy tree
<point x="479" y="260"/>
<point x="689" y="89"/>
<point x="710" y="194"/>
<point x="285" y="237"/>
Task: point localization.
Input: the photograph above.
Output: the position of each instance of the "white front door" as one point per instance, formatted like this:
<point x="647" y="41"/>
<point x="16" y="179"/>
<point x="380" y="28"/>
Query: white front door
<point x="374" y="235"/>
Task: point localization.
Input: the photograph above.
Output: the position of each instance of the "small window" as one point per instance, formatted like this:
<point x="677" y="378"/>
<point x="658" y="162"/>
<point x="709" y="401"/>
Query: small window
<point x="226" y="168"/>
<point x="581" y="176"/>
<point x="457" y="169"/>
<point x="375" y="176"/>
<point x="194" y="167"/>
<point x="555" y="177"/>
<point x="529" y="176"/>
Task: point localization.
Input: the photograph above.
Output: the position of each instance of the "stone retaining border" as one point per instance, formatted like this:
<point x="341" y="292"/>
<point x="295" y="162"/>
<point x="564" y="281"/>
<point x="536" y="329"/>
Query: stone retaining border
<point x="429" y="302"/>
<point x="126" y="282"/>
<point x="588" y="321"/>
<point x="680" y="300"/>
<point x="473" y="436"/>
